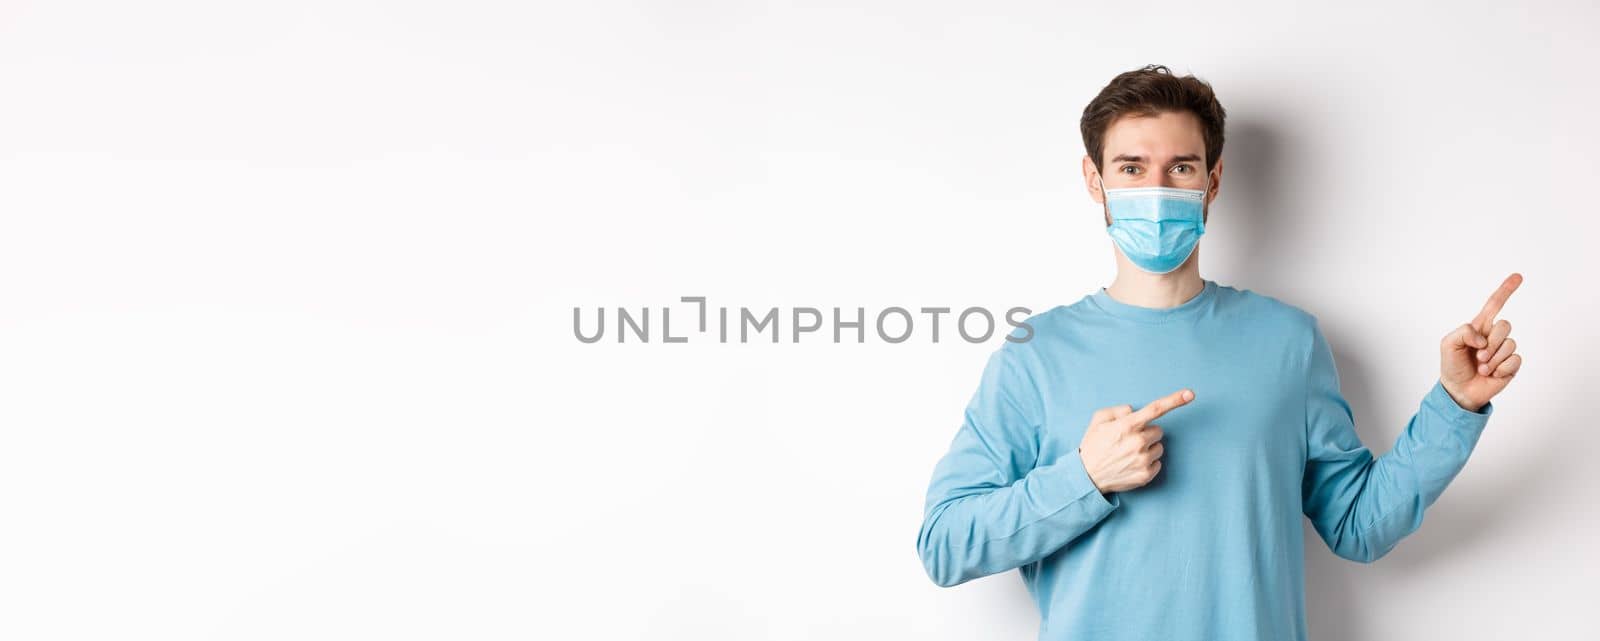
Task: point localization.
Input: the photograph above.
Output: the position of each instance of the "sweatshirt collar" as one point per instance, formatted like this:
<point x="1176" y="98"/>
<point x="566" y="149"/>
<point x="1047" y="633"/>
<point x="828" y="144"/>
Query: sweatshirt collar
<point x="1196" y="304"/>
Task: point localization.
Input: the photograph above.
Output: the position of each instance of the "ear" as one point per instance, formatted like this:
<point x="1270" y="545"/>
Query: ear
<point x="1091" y="180"/>
<point x="1216" y="182"/>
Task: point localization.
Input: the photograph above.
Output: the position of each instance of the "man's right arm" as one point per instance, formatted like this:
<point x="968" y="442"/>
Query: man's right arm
<point x="989" y="507"/>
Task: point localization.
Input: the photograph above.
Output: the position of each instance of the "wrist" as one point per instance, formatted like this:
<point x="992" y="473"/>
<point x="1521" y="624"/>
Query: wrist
<point x="1460" y="399"/>
<point x="1090" y="473"/>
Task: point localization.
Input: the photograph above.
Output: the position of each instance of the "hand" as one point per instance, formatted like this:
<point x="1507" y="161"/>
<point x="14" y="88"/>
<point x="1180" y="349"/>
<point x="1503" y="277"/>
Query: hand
<point x="1122" y="449"/>
<point x="1478" y="359"/>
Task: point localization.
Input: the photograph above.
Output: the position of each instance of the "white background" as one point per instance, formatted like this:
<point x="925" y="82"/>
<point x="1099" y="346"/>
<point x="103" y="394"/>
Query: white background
<point x="286" y="295"/>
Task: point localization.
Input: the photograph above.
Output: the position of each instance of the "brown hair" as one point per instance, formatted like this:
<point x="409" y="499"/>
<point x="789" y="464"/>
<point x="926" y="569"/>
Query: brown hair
<point x="1150" y="91"/>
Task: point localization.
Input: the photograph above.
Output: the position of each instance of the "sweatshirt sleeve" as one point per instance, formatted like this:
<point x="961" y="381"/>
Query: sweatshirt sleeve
<point x="1361" y="506"/>
<point x="990" y="507"/>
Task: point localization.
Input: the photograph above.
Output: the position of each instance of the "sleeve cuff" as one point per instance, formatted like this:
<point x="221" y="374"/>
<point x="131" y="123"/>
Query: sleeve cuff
<point x="1067" y="481"/>
<point x="1439" y="400"/>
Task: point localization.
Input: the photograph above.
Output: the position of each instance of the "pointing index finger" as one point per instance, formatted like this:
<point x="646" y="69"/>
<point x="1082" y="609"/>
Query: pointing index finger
<point x="1497" y="300"/>
<point x="1160" y="406"/>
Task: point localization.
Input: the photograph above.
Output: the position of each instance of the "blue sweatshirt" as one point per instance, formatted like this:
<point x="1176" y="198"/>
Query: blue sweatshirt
<point x="1211" y="548"/>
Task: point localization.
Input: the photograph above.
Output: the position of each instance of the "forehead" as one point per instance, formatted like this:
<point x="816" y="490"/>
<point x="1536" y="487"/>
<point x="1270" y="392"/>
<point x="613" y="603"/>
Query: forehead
<point x="1161" y="136"/>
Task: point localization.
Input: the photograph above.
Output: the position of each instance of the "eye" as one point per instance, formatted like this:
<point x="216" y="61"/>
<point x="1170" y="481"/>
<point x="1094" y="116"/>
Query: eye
<point x="1187" y="169"/>
<point x="1129" y="169"/>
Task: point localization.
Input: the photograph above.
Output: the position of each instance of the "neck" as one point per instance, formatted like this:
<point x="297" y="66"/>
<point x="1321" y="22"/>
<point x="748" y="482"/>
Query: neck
<point x="1135" y="286"/>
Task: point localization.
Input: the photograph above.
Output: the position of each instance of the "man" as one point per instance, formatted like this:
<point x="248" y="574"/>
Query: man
<point x="1123" y="528"/>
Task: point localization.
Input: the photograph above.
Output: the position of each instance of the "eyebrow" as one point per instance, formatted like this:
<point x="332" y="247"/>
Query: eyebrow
<point x="1129" y="158"/>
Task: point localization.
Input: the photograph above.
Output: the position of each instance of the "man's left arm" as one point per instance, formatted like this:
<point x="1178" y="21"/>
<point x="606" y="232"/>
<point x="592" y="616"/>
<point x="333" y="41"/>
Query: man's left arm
<point x="1362" y="507"/>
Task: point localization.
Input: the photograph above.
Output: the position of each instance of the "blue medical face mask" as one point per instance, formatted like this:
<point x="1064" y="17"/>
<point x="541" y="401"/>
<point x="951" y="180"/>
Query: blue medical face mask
<point x="1157" y="228"/>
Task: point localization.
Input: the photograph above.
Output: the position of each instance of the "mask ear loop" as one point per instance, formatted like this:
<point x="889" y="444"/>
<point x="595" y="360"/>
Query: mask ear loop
<point x="1105" y="201"/>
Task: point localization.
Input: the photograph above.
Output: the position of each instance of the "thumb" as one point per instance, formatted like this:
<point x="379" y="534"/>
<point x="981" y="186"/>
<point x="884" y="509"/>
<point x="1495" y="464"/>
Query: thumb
<point x="1465" y="337"/>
